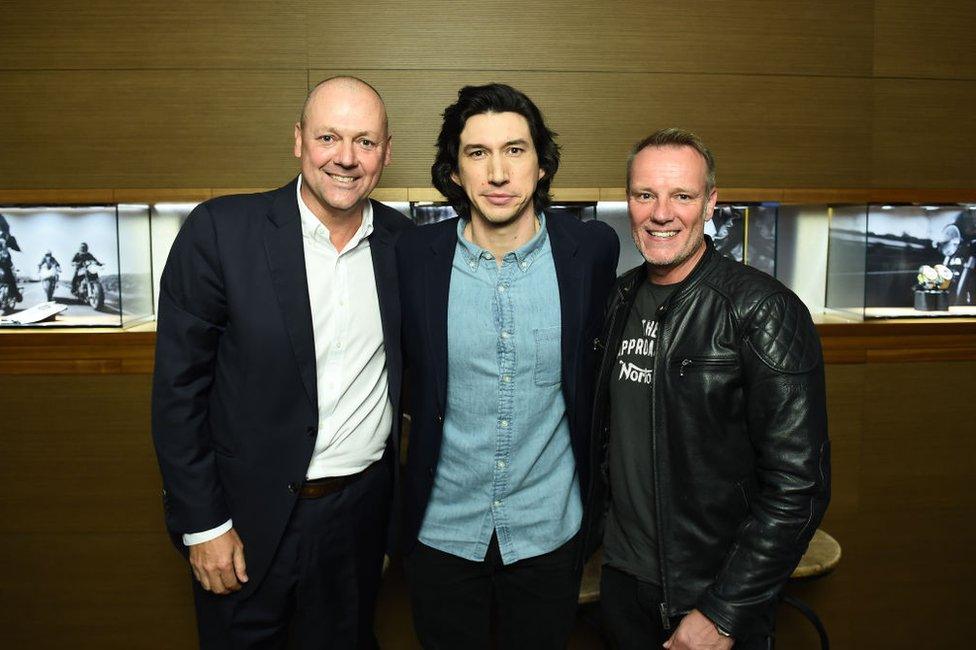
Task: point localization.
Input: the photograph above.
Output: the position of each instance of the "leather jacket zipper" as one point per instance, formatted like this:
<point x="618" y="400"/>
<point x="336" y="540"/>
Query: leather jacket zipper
<point x="686" y="364"/>
<point x="665" y="621"/>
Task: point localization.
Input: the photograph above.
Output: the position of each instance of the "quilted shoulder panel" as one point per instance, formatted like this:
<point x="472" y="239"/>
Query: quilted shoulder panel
<point x="783" y="335"/>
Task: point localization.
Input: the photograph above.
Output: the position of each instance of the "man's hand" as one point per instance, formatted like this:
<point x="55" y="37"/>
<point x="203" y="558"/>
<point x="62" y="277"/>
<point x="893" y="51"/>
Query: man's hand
<point x="219" y="563"/>
<point x="696" y="632"/>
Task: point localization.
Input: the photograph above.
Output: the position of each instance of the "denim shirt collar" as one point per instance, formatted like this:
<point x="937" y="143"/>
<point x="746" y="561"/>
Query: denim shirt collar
<point x="523" y="256"/>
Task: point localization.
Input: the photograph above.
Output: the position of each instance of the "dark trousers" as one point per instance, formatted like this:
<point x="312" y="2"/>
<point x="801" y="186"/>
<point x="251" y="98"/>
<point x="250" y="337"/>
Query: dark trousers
<point x="632" y="618"/>
<point x="321" y="589"/>
<point x="534" y="600"/>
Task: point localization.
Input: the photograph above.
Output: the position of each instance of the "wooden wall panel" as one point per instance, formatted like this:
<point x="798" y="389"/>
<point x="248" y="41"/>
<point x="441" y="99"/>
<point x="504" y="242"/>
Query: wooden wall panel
<point x="807" y="38"/>
<point x="845" y="414"/>
<point x="107" y="34"/>
<point x="92" y="462"/>
<point x="144" y="129"/>
<point x="924" y="133"/>
<point x="917" y="569"/>
<point x="97" y="591"/>
<point x="782" y="131"/>
<point x="918" y="449"/>
<point x="924" y="39"/>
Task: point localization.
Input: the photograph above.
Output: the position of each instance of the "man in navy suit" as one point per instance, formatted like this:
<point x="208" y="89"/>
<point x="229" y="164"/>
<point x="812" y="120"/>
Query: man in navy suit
<point x="276" y="389"/>
<point x="500" y="308"/>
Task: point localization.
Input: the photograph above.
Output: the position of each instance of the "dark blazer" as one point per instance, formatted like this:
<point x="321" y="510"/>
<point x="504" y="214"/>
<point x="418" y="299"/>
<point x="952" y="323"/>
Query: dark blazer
<point x="585" y="257"/>
<point x="234" y="405"/>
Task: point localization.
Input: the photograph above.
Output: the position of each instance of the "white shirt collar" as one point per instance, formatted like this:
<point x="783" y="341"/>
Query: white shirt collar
<point x="314" y="229"/>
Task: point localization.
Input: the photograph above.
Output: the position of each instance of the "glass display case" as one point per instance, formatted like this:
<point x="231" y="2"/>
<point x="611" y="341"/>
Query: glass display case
<point x="898" y="261"/>
<point x="83" y="266"/>
<point x="100" y="265"/>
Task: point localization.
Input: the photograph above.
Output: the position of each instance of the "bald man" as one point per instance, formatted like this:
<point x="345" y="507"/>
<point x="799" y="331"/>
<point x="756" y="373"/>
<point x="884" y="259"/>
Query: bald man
<point x="276" y="389"/>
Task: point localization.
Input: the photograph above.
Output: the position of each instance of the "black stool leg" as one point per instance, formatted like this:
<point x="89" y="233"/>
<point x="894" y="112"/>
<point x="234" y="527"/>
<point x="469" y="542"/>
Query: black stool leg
<point x="811" y="616"/>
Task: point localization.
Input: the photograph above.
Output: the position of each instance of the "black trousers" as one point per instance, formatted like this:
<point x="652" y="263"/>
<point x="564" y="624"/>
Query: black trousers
<point x="321" y="589"/>
<point x="453" y="599"/>
<point x="632" y="619"/>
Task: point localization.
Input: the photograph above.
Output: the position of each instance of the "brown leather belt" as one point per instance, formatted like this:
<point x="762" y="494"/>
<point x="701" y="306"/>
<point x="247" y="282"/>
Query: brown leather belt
<point x="320" y="487"/>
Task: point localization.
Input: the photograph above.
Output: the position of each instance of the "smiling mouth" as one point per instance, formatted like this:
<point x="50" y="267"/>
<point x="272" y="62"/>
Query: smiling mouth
<point x="662" y="234"/>
<point x="342" y="180"/>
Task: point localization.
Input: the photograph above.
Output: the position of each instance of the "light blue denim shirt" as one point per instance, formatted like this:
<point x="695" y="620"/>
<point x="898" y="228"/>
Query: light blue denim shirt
<point x="506" y="464"/>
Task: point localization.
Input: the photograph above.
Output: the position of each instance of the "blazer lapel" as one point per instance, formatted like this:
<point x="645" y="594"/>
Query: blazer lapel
<point x="384" y="271"/>
<point x="438" y="267"/>
<point x="286" y="259"/>
<point x="569" y="276"/>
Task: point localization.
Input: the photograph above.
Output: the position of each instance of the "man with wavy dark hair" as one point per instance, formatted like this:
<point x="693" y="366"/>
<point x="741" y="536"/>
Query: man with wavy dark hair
<point x="493" y="98"/>
<point x="499" y="307"/>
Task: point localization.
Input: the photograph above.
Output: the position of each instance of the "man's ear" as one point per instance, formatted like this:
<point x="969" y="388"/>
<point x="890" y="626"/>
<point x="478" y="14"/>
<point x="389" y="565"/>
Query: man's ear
<point x="712" y="200"/>
<point x="298" y="140"/>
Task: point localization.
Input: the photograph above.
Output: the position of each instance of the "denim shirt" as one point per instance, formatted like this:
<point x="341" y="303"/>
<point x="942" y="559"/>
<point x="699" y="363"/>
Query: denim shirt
<point x="506" y="464"/>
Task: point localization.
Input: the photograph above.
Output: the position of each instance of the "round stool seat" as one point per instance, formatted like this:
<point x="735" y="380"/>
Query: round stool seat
<point x="822" y="556"/>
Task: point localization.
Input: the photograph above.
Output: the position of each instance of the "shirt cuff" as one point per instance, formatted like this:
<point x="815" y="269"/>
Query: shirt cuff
<point x="190" y="539"/>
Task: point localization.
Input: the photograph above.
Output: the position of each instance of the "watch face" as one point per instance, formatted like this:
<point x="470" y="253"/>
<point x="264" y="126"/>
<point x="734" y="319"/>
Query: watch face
<point x="945" y="275"/>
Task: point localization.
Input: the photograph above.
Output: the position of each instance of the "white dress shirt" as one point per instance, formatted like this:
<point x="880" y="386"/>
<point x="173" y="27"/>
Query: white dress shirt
<point x="355" y="413"/>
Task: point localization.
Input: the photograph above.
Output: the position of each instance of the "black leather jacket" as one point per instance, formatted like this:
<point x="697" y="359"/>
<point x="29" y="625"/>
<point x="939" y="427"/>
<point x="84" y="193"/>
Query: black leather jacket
<point x="740" y="451"/>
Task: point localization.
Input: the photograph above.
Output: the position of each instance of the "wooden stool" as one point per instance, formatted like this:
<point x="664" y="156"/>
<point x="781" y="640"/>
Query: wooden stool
<point x="822" y="556"/>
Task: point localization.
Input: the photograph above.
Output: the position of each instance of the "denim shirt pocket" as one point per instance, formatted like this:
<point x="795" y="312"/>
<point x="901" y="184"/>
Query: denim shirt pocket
<point x="548" y="355"/>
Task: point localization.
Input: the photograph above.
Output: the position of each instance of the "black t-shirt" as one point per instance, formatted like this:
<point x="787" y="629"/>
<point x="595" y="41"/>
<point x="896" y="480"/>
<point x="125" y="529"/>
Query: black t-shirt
<point x="630" y="540"/>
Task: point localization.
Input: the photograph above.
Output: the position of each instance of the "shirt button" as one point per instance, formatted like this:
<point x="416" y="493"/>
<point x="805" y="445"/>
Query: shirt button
<point x="524" y="265"/>
<point x="505" y="334"/>
<point x="473" y="265"/>
<point x="504" y="424"/>
<point x="293" y="488"/>
<point x="506" y="378"/>
<point x="501" y="288"/>
<point x="500" y="464"/>
<point x="497" y="504"/>
<point x="338" y="345"/>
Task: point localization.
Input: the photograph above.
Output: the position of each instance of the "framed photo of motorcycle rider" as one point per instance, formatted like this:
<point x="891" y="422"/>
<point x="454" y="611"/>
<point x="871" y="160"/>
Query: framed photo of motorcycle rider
<point x="83" y="266"/>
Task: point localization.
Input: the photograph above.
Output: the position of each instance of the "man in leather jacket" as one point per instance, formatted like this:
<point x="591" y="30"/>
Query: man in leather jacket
<point x="710" y="420"/>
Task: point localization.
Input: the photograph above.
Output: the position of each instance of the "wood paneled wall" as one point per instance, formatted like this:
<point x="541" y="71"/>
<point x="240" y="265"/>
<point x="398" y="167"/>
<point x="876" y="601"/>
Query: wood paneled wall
<point x="87" y="563"/>
<point x="790" y="94"/>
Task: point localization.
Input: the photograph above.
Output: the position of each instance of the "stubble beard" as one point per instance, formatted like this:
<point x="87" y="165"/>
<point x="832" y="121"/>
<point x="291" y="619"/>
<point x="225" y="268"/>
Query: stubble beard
<point x="692" y="246"/>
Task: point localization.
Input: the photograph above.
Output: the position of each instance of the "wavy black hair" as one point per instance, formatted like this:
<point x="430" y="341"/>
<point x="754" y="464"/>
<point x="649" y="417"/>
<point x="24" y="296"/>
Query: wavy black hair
<point x="491" y="98"/>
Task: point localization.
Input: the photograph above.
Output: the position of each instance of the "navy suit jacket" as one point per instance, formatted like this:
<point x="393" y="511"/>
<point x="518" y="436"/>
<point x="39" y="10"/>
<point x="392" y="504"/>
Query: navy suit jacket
<point x="585" y="257"/>
<point x="234" y="405"/>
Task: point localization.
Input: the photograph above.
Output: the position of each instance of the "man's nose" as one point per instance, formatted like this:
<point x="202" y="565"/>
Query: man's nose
<point x="346" y="155"/>
<point x="497" y="171"/>
<point x="660" y="212"/>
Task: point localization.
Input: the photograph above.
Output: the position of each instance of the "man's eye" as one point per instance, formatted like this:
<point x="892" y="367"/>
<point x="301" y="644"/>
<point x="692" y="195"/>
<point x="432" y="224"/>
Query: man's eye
<point x="476" y="153"/>
<point x="367" y="143"/>
<point x="684" y="197"/>
<point x="327" y="138"/>
<point x="515" y="151"/>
